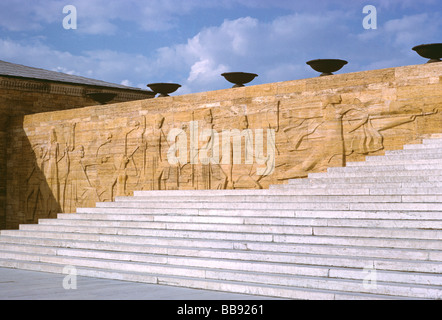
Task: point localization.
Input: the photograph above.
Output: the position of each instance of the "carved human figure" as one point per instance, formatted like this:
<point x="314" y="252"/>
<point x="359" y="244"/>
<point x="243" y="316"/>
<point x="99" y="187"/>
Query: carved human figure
<point x="247" y="174"/>
<point x="332" y="145"/>
<point x="185" y="171"/>
<point x="212" y="175"/>
<point x="38" y="193"/>
<point x="81" y="191"/>
<point x="141" y="148"/>
<point x="364" y="136"/>
<point x="234" y="166"/>
<point x="104" y="163"/>
<point x="121" y="180"/>
<point x="361" y="136"/>
<point x="64" y="168"/>
<point x="108" y="141"/>
<point x="51" y="173"/>
<point x="160" y="166"/>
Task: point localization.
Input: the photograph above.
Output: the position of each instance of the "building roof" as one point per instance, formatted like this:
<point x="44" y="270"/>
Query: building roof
<point x="21" y="71"/>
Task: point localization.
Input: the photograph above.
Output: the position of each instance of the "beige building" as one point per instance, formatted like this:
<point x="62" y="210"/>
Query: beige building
<point x="26" y="90"/>
<point x="334" y="186"/>
<point x="58" y="161"/>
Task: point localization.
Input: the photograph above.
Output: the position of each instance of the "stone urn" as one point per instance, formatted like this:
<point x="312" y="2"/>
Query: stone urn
<point x="432" y="51"/>
<point x="326" y="66"/>
<point x="164" y="89"/>
<point x="239" y="78"/>
<point x="101" y="97"/>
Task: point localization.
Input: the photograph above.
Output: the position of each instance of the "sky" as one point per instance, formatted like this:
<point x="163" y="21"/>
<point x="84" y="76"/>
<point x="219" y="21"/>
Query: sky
<point x="191" y="42"/>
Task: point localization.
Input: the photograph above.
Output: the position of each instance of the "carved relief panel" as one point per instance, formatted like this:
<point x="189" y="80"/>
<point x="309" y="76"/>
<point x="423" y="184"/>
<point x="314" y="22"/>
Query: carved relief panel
<point x="243" y="143"/>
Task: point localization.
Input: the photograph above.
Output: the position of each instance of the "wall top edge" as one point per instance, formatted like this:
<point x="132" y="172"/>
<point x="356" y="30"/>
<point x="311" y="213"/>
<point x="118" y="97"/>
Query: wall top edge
<point x="297" y="86"/>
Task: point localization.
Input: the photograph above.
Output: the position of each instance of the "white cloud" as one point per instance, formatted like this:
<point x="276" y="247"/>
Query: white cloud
<point x="409" y="30"/>
<point x="103" y="16"/>
<point x="94" y="16"/>
<point x="64" y="70"/>
<point x="15" y="15"/>
<point x="276" y="49"/>
<point x="390" y="45"/>
<point x="32" y="53"/>
<point x="126" y="82"/>
<point x="99" y="16"/>
<point x="205" y="69"/>
<point x="103" y="65"/>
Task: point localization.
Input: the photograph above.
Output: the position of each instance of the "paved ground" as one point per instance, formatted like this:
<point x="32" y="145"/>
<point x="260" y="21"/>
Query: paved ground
<point x="30" y="285"/>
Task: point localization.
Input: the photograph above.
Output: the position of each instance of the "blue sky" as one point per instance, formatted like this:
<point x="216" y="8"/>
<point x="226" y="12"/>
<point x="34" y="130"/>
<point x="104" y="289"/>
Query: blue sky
<point x="192" y="42"/>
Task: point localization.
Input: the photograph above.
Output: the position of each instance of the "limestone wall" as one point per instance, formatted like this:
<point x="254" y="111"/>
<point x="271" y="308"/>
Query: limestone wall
<point x="20" y="96"/>
<point x="3" y="141"/>
<point x="58" y="161"/>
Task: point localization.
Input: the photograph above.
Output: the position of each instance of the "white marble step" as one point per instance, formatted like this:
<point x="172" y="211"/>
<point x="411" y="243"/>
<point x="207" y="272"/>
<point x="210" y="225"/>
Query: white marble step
<point x="421" y="147"/>
<point x="181" y="221"/>
<point x="432" y="141"/>
<point x="378" y="162"/>
<point x="367" y="179"/>
<point x="322" y="278"/>
<point x="364" y="189"/>
<point x="251" y="251"/>
<point x="306" y="265"/>
<point x="243" y="232"/>
<point x="381" y="173"/>
<point x="226" y="240"/>
<point x="298" y="213"/>
<point x="292" y="198"/>
<point x="402" y="203"/>
<point x="206" y="284"/>
<point x="310" y="239"/>
<point x="388" y="167"/>
<point x="149" y="228"/>
<point x="322" y="189"/>
<point x="413" y="156"/>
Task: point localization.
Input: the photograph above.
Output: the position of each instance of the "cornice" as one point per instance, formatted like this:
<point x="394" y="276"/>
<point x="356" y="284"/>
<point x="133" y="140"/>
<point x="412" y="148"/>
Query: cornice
<point x="68" y="89"/>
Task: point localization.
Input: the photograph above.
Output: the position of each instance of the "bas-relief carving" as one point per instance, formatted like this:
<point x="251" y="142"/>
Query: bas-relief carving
<point x="213" y="175"/>
<point x="156" y="141"/>
<point x="114" y="162"/>
<point x="38" y="194"/>
<point x="119" y="180"/>
<point x="48" y="178"/>
<point x="341" y="130"/>
<point x="241" y="175"/>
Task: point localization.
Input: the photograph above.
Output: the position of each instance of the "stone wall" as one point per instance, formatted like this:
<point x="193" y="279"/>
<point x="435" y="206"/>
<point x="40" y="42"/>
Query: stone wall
<point x="3" y="141"/>
<point x="58" y="161"/>
<point x="21" y="96"/>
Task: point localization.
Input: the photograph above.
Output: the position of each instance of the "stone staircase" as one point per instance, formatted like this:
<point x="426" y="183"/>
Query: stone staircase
<point x="371" y="230"/>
